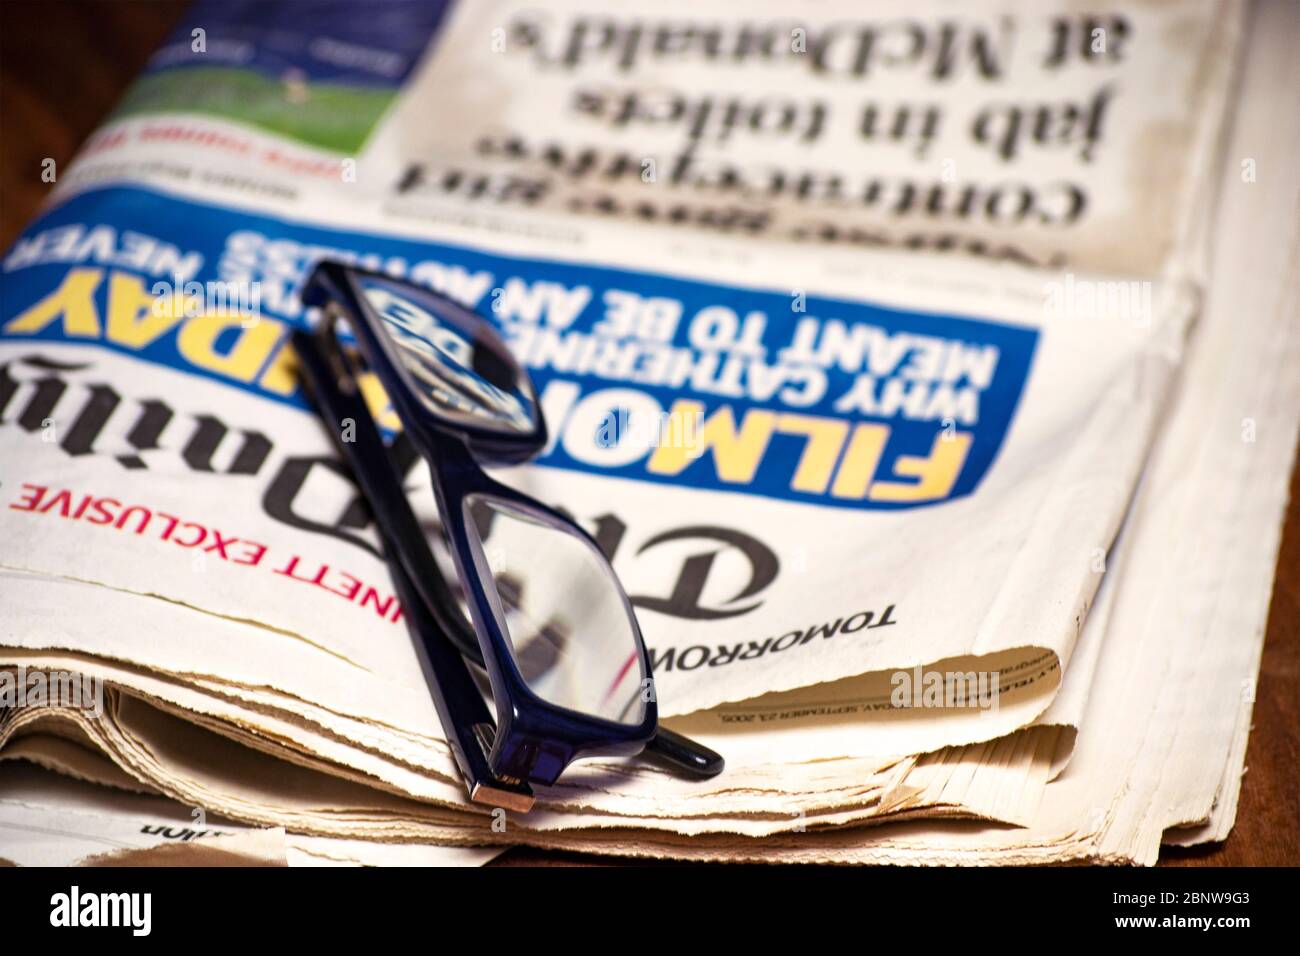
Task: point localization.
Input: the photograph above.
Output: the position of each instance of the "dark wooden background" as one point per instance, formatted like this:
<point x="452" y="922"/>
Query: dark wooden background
<point x="63" y="65"/>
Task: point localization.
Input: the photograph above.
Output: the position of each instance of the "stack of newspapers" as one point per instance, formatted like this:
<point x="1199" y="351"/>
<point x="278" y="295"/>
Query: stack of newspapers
<point x="988" y="322"/>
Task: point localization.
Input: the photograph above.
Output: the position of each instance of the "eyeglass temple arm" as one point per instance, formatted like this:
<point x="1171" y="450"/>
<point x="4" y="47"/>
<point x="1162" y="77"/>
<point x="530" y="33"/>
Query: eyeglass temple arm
<point x="456" y="698"/>
<point x="399" y="526"/>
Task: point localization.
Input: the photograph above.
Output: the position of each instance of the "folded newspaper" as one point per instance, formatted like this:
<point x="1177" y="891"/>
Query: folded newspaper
<point x="970" y="386"/>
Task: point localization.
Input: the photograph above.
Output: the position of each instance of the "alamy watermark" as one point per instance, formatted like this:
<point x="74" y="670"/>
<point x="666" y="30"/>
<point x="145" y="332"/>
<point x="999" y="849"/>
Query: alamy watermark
<point x="950" y="689"/>
<point x="191" y="299"/>
<point x="23" y="688"/>
<point x="643" y="430"/>
<point x="133" y="911"/>
<point x="1072" y="298"/>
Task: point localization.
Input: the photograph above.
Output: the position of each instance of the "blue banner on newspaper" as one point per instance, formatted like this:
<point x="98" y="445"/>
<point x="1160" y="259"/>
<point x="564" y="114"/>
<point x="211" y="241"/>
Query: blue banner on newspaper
<point x="641" y="375"/>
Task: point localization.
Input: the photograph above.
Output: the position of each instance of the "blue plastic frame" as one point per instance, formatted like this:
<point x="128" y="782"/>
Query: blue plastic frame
<point x="533" y="740"/>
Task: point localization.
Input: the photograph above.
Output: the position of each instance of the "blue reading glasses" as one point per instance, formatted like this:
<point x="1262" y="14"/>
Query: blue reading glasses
<point x="548" y="621"/>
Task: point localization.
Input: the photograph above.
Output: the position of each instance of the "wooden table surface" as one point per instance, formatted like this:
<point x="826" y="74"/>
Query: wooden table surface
<point x="63" y="65"/>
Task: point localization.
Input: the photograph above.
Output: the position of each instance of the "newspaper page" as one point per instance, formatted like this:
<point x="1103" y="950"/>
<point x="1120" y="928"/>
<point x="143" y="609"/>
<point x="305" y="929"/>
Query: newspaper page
<point x="916" y="331"/>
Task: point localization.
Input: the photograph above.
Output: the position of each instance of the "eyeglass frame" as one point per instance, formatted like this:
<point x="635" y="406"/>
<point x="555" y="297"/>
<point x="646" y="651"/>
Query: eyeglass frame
<point x="533" y="740"/>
